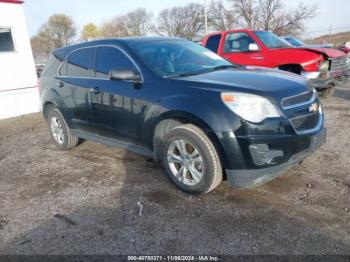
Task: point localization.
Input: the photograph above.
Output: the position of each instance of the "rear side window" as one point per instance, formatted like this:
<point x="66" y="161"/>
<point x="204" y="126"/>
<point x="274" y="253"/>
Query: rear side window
<point x="78" y="63"/>
<point x="109" y="58"/>
<point x="6" y="41"/>
<point x="213" y="43"/>
<point x="51" y="66"/>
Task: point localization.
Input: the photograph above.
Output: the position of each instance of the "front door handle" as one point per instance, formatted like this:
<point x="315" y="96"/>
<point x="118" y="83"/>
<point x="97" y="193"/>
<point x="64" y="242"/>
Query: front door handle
<point x="95" y="90"/>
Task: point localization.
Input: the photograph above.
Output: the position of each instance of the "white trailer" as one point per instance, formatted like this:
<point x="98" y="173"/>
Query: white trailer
<point x="19" y="92"/>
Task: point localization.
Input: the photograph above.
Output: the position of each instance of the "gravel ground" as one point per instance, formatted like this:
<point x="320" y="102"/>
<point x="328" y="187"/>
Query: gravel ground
<point x="99" y="200"/>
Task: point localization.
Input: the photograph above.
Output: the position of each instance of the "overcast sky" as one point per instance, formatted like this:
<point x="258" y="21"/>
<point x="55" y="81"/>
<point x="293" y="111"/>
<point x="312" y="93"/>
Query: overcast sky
<point x="331" y="12"/>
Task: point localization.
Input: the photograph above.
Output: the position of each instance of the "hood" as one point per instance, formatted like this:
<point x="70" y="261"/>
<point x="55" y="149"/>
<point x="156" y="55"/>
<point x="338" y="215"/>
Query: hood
<point x="257" y="80"/>
<point x="320" y="46"/>
<point x="330" y="52"/>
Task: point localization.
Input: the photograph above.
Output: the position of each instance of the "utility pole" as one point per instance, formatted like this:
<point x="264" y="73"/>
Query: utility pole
<point x="330" y="33"/>
<point x="205" y="17"/>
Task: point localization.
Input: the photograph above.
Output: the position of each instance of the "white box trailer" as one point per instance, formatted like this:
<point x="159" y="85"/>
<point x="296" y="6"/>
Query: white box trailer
<point x="19" y="92"/>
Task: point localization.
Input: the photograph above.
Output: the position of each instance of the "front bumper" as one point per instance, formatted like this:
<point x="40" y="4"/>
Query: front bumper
<point x="299" y="148"/>
<point x="319" y="80"/>
<point x="324" y="80"/>
<point x="341" y="77"/>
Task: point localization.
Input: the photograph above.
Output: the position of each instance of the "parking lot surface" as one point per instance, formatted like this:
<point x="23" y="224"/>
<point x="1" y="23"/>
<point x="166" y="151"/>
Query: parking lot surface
<point x="100" y="200"/>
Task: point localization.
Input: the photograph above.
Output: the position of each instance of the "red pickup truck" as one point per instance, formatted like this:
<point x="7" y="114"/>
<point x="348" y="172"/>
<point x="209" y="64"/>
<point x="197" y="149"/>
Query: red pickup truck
<point x="324" y="67"/>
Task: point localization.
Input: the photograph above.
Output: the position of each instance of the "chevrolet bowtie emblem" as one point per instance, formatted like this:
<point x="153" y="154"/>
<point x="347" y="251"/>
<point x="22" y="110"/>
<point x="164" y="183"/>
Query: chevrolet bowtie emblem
<point x="313" y="108"/>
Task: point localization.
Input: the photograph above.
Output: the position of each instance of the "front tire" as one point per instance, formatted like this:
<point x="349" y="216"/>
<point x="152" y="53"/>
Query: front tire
<point x="60" y="132"/>
<point x="191" y="160"/>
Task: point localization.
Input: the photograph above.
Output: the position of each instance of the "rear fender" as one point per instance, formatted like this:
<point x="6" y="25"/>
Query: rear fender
<point x="50" y="95"/>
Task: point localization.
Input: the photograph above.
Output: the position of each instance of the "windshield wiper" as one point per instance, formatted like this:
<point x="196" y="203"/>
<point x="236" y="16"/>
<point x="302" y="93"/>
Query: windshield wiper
<point x="216" y="68"/>
<point x="280" y="46"/>
<point x="184" y="74"/>
<point x="221" y="67"/>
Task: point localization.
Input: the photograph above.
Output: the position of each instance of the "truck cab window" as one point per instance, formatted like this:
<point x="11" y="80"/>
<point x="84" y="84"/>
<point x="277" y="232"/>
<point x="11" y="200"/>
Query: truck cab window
<point x="237" y="42"/>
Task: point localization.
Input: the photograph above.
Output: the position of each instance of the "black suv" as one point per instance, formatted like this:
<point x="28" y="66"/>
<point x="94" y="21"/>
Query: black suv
<point x="177" y="102"/>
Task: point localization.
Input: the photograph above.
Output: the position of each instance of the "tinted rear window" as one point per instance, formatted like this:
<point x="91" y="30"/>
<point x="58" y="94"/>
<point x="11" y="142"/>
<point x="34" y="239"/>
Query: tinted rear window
<point x="78" y="63"/>
<point x="51" y="66"/>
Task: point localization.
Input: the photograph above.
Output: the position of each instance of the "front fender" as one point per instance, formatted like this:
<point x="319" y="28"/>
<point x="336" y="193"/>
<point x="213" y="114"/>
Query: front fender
<point x="197" y="110"/>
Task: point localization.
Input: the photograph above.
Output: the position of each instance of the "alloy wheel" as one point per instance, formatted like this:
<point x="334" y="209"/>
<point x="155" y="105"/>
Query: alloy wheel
<point x="57" y="130"/>
<point x="185" y="162"/>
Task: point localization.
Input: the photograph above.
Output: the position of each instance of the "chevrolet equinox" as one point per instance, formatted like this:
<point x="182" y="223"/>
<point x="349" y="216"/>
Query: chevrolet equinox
<point x="173" y="100"/>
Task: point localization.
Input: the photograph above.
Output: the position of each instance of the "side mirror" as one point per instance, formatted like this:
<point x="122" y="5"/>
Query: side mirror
<point x="253" y="47"/>
<point x="124" y="74"/>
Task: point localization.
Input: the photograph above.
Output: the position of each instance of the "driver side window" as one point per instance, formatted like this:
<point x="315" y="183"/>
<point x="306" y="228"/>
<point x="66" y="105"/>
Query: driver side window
<point x="238" y="43"/>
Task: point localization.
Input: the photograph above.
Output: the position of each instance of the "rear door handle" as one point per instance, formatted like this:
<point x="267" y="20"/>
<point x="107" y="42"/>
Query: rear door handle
<point x="95" y="90"/>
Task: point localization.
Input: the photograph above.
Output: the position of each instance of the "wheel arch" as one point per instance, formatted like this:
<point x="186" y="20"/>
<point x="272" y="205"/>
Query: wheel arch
<point x="293" y="68"/>
<point x="169" y="120"/>
<point x="47" y="106"/>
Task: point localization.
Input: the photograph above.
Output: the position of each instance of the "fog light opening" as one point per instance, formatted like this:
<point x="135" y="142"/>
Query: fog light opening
<point x="262" y="155"/>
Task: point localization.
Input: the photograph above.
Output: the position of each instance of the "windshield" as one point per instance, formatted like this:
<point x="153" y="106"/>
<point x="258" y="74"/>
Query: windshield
<point x="294" y="41"/>
<point x="270" y="40"/>
<point x="174" y="58"/>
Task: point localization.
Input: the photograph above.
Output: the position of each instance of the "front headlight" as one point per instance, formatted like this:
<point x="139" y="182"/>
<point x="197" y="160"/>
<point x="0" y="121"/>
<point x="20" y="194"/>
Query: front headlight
<point x="324" y="66"/>
<point x="252" y="108"/>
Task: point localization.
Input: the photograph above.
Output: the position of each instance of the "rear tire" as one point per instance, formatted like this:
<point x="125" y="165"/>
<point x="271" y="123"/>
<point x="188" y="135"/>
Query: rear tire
<point x="191" y="160"/>
<point x="60" y="132"/>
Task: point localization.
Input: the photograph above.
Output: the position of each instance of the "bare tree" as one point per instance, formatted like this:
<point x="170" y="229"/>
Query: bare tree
<point x="220" y="17"/>
<point x="135" y="23"/>
<point x="272" y="15"/>
<point x="138" y="22"/>
<point x="40" y="48"/>
<point x="113" y="28"/>
<point x="293" y="22"/>
<point x="269" y="12"/>
<point x="186" y="21"/>
<point x="59" y="31"/>
<point x="247" y="12"/>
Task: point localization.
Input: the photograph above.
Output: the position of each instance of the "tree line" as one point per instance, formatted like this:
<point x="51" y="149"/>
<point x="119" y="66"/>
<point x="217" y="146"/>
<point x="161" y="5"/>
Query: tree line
<point x="179" y="21"/>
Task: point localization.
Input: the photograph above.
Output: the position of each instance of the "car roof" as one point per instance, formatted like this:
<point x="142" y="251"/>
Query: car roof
<point x="61" y="53"/>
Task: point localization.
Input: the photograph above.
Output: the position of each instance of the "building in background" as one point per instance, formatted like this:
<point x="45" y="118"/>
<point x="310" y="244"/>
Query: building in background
<point x="19" y="92"/>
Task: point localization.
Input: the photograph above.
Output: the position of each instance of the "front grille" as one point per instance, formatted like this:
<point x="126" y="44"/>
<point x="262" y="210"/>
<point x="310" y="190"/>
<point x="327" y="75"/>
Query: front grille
<point x="306" y="122"/>
<point x="298" y="99"/>
<point x="340" y="63"/>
